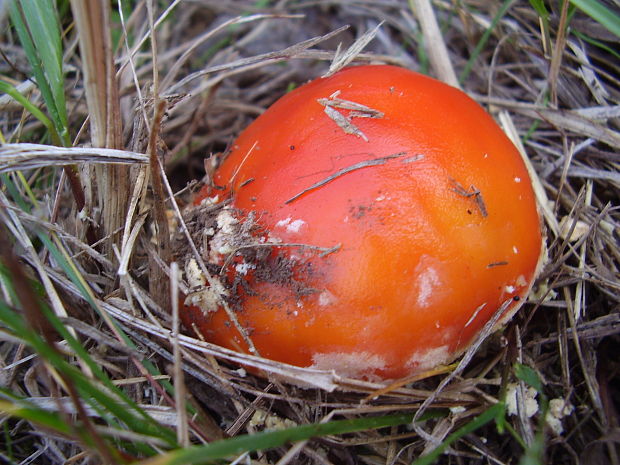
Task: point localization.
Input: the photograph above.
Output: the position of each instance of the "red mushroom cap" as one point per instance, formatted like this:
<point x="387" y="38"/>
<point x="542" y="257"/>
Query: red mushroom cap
<point x="426" y="203"/>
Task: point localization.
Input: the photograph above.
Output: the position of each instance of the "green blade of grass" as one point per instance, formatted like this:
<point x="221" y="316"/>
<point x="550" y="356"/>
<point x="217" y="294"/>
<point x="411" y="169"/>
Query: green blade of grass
<point x="541" y="8"/>
<point x="16" y="325"/>
<point x="50" y="421"/>
<point x="14" y="192"/>
<point x="600" y="13"/>
<point x="19" y="407"/>
<point x="111" y="400"/>
<point x="597" y="43"/>
<point x="267" y="440"/>
<point x="45" y="30"/>
<point x="484" y="39"/>
<point x="29" y="106"/>
<point x="38" y="30"/>
<point x="529" y="376"/>
<point x="489" y="415"/>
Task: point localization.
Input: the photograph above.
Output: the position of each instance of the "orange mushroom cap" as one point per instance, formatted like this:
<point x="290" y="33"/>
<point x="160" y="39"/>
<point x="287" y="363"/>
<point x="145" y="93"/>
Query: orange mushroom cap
<point x="426" y="205"/>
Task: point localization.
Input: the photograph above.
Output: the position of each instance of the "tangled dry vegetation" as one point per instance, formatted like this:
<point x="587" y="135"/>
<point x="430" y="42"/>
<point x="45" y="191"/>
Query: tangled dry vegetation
<point x="181" y="99"/>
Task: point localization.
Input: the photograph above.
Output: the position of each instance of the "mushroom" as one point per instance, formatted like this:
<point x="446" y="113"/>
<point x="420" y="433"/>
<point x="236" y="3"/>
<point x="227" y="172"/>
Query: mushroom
<point x="380" y="218"/>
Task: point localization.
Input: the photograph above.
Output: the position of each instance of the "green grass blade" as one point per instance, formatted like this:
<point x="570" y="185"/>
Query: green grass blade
<point x="478" y="422"/>
<point x="484" y="39"/>
<point x="543" y="14"/>
<point x="600" y="13"/>
<point x="28" y="105"/>
<point x="540" y="7"/>
<point x="38" y="30"/>
<point x="529" y="376"/>
<point x="534" y="454"/>
<point x="12" y="405"/>
<point x="112" y="398"/>
<point x="45" y="30"/>
<point x="266" y="440"/>
<point x="597" y="43"/>
<point x="14" y="192"/>
<point x="72" y="273"/>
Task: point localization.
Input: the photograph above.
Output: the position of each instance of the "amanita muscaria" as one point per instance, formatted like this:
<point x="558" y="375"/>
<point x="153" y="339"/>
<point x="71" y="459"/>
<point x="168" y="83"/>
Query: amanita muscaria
<point x="376" y="220"/>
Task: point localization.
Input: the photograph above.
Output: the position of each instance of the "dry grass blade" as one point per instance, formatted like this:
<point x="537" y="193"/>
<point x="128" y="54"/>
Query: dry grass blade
<point x="343" y="59"/>
<point x="434" y="42"/>
<point x="570" y="121"/>
<point x="92" y="19"/>
<point x="159" y="284"/>
<point x="462" y="364"/>
<point x="179" y="383"/>
<point x="287" y="53"/>
<point x="172" y="73"/>
<point x="344" y="171"/>
<point x="165" y="415"/>
<point x="317" y="378"/>
<point x="587" y="122"/>
<point x="539" y="190"/>
<point x="558" y="53"/>
<point x="30" y="156"/>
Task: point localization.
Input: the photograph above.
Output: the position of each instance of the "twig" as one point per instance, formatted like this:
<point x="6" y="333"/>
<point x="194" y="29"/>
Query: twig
<point x="343" y="171"/>
<point x="179" y="382"/>
<point x="356" y="110"/>
<point x="558" y="53"/>
<point x="343" y="59"/>
<point x="469" y="193"/>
